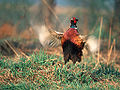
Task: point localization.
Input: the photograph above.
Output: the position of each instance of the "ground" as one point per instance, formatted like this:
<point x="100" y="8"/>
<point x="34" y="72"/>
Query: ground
<point x="35" y="67"/>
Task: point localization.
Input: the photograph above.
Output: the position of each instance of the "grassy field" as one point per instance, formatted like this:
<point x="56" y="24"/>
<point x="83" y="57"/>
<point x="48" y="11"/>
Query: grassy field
<point x="43" y="71"/>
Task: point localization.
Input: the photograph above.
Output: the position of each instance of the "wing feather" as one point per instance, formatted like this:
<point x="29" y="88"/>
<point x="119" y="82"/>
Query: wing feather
<point x="54" y="39"/>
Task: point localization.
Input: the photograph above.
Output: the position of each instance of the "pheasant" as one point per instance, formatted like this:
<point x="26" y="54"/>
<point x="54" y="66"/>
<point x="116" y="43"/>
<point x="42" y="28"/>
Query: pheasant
<point x="71" y="41"/>
<point x="72" y="44"/>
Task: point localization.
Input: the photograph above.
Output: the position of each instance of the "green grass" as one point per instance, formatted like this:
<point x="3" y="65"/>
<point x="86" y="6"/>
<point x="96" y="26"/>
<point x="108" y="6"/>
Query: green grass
<point x="42" y="71"/>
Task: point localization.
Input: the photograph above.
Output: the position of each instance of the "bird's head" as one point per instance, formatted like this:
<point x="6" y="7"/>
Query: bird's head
<point x="73" y="22"/>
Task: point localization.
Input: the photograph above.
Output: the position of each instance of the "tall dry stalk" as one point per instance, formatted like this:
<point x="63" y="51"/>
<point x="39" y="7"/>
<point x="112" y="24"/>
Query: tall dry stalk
<point x="12" y="47"/>
<point x="99" y="39"/>
<point x="109" y="41"/>
<point x="110" y="47"/>
<point x="49" y="7"/>
<point x="53" y="12"/>
<point x="110" y="51"/>
<point x="101" y="23"/>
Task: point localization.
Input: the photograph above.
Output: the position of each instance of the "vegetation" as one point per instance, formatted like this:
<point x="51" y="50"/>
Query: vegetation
<point x="42" y="71"/>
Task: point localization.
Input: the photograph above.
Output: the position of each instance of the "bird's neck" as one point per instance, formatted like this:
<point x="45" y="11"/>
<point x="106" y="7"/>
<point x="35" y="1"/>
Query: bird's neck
<point x="73" y="26"/>
<point x="73" y="30"/>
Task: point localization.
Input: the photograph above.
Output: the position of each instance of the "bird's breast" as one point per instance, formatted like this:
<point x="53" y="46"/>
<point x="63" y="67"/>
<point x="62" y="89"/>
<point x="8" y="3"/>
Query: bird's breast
<point x="73" y="36"/>
<point x="70" y="33"/>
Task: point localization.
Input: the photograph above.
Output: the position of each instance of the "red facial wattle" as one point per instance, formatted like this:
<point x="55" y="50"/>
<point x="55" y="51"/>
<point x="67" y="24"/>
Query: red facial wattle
<point x="75" y="21"/>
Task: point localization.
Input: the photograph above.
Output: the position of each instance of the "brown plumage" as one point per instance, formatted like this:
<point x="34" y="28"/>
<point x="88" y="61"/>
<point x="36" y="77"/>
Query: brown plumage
<point x="72" y="45"/>
<point x="71" y="41"/>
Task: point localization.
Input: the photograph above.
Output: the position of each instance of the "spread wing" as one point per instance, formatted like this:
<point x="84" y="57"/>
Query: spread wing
<point x="56" y="34"/>
<point x="47" y="36"/>
<point x="54" y="39"/>
<point x="91" y="43"/>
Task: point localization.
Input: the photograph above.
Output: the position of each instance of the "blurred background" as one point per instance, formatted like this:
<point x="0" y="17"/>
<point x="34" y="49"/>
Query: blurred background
<point x="24" y="22"/>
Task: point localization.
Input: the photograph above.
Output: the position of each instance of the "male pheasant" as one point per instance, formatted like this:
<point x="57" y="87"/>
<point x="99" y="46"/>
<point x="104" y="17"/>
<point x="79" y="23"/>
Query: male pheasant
<point x="72" y="44"/>
<point x="71" y="41"/>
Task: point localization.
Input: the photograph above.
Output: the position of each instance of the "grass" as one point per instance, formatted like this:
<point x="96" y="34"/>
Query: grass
<point x="42" y="71"/>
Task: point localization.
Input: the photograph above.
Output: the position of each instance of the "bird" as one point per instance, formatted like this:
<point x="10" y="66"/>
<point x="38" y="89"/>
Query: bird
<point x="71" y="41"/>
<point x="73" y="44"/>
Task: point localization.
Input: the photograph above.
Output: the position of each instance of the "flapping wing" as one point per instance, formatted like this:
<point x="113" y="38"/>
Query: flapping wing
<point x="47" y="37"/>
<point x="54" y="39"/>
<point x="91" y="44"/>
<point x="56" y="34"/>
